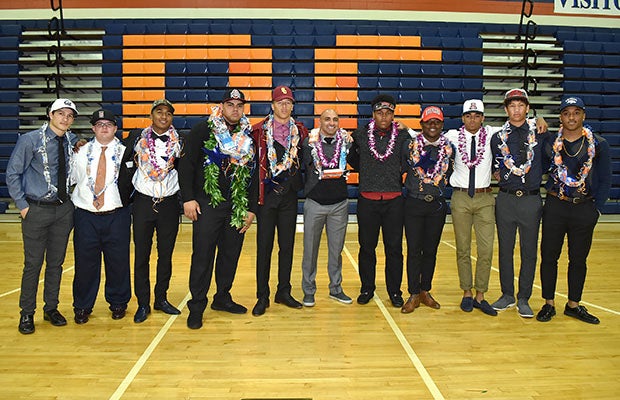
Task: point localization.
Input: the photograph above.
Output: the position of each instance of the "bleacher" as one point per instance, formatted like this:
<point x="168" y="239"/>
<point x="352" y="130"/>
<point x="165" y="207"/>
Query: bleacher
<point x="339" y="64"/>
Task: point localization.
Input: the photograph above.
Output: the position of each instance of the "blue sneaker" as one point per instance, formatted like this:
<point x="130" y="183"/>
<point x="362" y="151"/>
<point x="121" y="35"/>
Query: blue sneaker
<point x="485" y="307"/>
<point x="467" y="304"/>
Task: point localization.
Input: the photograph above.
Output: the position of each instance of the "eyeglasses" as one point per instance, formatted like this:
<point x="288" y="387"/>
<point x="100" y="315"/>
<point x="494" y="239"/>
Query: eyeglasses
<point x="104" y="125"/>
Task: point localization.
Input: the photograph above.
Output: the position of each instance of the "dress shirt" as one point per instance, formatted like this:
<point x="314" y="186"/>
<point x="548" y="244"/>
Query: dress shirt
<point x="157" y="188"/>
<point x="281" y="132"/>
<point x="24" y="172"/>
<point x="460" y="176"/>
<point x="82" y="196"/>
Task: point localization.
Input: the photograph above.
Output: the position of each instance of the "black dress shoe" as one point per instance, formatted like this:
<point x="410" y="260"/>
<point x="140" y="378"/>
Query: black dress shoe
<point x="365" y="297"/>
<point x="546" y="313"/>
<point x="261" y="306"/>
<point x="230" y="307"/>
<point x="397" y="300"/>
<point x="81" y="316"/>
<point x="194" y="320"/>
<point x="288" y="301"/>
<point x="581" y="313"/>
<point x="26" y="324"/>
<point x="141" y="314"/>
<point x="118" y="312"/>
<point x="166" y="307"/>
<point x="55" y="317"/>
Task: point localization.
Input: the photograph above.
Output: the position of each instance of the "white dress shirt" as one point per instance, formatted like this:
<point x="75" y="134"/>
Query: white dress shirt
<point x="460" y="176"/>
<point x="157" y="188"/>
<point x="83" y="196"/>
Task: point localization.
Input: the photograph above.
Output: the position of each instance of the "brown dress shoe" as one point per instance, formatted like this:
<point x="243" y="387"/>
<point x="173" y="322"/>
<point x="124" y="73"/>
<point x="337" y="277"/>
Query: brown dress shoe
<point x="427" y="299"/>
<point x="412" y="303"/>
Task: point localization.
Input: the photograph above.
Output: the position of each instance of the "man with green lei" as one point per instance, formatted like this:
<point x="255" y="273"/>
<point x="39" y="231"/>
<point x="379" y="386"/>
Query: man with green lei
<point x="219" y="196"/>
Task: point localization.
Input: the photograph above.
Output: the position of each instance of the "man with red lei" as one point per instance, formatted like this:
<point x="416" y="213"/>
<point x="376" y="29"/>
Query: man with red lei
<point x="578" y="186"/>
<point x="278" y="138"/>
<point x="155" y="152"/>
<point x="376" y="154"/>
<point x="428" y="161"/>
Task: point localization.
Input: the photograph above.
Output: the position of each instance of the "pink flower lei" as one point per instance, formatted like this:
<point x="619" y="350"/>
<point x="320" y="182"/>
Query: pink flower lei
<point x="562" y="170"/>
<point x="320" y="161"/>
<point x="416" y="152"/>
<point x="462" y="146"/>
<point x="372" y="143"/>
<point x="509" y="162"/>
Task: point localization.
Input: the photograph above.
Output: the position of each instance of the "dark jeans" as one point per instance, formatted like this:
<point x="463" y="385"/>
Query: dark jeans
<point x="387" y="216"/>
<point x="148" y="217"/>
<point x="577" y="221"/>
<point x="45" y="232"/>
<point x="423" y="227"/>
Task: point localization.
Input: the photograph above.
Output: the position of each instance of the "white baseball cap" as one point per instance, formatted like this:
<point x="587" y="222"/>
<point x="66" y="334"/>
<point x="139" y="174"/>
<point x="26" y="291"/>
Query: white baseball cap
<point x="473" y="106"/>
<point x="63" y="103"/>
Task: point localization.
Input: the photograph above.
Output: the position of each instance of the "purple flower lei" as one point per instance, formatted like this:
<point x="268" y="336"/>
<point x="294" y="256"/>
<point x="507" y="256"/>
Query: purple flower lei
<point x="372" y="143"/>
<point x="319" y="155"/>
<point x="416" y="152"/>
<point x="462" y="146"/>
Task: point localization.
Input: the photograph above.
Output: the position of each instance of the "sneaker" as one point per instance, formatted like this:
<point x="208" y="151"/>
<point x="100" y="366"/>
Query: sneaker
<point x="546" y="313"/>
<point x="524" y="309"/>
<point x="504" y="303"/>
<point x="467" y="304"/>
<point x="308" y="300"/>
<point x="341" y="297"/>
<point x="581" y="313"/>
<point x="485" y="307"/>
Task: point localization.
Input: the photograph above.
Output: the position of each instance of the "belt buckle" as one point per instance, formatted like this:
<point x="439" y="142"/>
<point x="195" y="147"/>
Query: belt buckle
<point x="519" y="193"/>
<point x="576" y="200"/>
<point x="429" y="198"/>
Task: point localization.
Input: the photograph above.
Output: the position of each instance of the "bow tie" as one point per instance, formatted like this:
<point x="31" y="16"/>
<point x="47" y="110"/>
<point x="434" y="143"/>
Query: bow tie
<point x="163" y="138"/>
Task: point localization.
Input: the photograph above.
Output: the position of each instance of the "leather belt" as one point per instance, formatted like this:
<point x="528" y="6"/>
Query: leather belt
<point x="103" y="212"/>
<point x="574" y="200"/>
<point x="429" y="198"/>
<point x="479" y="190"/>
<point x="520" y="192"/>
<point x="43" y="202"/>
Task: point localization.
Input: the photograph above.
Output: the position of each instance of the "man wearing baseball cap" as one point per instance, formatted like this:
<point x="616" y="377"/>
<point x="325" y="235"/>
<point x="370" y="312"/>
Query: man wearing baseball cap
<point x="473" y="204"/>
<point x="578" y="186"/>
<point x="518" y="207"/>
<point x="278" y="139"/>
<point x="376" y="154"/>
<point x="429" y="161"/>
<point x="102" y="220"/>
<point x="154" y="153"/>
<point x="37" y="179"/>
<point x="218" y="190"/>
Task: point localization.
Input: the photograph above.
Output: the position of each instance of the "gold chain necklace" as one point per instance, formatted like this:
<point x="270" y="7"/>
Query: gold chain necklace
<point x="578" y="151"/>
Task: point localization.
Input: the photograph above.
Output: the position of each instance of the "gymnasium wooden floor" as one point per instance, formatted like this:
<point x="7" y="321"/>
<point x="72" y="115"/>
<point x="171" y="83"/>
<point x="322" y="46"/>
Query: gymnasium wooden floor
<point x="331" y="351"/>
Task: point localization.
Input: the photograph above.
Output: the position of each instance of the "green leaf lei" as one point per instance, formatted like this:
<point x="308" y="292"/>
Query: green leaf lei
<point x="238" y="184"/>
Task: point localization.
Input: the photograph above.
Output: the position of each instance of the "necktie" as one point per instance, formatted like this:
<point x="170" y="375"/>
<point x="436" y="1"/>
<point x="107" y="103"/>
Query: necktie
<point x="100" y="180"/>
<point x="328" y="140"/>
<point x="62" y="170"/>
<point x="471" y="190"/>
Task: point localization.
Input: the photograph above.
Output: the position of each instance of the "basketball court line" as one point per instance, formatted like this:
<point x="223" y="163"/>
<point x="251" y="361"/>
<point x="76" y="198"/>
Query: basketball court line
<point x="558" y="294"/>
<point x="415" y="360"/>
<point x="40" y="282"/>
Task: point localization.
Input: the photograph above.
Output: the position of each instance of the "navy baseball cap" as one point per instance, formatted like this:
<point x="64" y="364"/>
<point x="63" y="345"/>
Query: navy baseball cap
<point x="572" y="101"/>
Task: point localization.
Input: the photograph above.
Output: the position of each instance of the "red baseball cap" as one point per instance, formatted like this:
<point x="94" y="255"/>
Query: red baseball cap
<point x="281" y="93"/>
<point x="432" y="112"/>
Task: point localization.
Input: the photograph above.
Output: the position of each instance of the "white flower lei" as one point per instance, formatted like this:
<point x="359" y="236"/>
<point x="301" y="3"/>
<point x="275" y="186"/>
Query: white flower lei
<point x="372" y="143"/>
<point x="239" y="145"/>
<point x="51" y="189"/>
<point x="509" y="162"/>
<point x="291" y="151"/>
<point x="116" y="159"/>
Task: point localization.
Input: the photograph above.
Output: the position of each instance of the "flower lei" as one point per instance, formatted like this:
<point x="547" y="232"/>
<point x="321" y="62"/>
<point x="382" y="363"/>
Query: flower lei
<point x="562" y="170"/>
<point x="51" y="189"/>
<point x="289" y="156"/>
<point x="462" y="146"/>
<point x="338" y="160"/>
<point x="147" y="156"/>
<point x="372" y="143"/>
<point x="417" y="152"/>
<point x="237" y="147"/>
<point x="116" y="159"/>
<point x="509" y="162"/>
